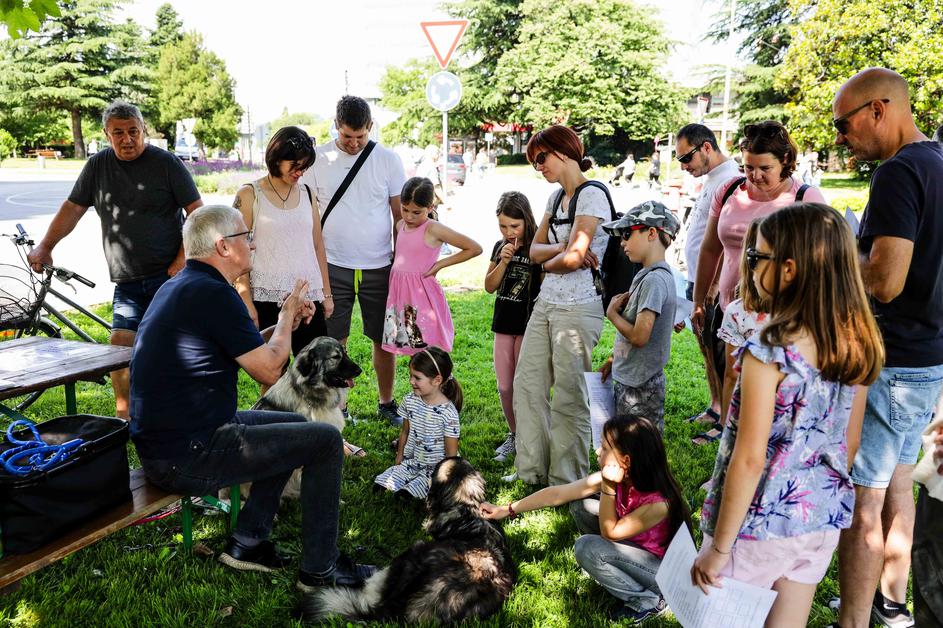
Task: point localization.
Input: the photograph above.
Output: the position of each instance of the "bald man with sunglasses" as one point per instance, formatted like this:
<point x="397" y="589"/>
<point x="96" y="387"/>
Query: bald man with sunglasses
<point x="902" y="265"/>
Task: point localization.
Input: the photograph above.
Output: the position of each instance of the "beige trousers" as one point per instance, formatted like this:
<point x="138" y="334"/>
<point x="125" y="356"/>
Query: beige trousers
<point x="553" y="433"/>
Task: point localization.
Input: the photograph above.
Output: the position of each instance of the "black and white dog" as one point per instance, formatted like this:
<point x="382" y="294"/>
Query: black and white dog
<point x="465" y="571"/>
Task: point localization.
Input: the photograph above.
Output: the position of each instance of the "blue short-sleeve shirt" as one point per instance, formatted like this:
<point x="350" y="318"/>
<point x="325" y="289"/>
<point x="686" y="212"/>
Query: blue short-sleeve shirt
<point x="183" y="368"/>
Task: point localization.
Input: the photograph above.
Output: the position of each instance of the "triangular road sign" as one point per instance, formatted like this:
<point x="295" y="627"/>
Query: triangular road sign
<point x="444" y="37"/>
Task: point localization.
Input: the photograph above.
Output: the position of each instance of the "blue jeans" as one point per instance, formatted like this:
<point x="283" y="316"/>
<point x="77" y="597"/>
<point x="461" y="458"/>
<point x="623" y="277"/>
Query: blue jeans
<point x="900" y="405"/>
<point x="624" y="569"/>
<point x="264" y="448"/>
<point x="131" y="300"/>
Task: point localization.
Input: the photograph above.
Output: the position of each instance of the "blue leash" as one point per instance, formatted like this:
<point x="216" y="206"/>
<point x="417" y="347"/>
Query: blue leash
<point x="40" y="455"/>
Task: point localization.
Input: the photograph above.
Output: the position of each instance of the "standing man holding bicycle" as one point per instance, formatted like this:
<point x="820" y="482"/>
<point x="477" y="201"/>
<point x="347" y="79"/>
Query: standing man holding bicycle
<point x="138" y="191"/>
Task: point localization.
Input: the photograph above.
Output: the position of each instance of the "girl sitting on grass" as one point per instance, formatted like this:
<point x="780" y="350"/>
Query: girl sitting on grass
<point x="629" y="512"/>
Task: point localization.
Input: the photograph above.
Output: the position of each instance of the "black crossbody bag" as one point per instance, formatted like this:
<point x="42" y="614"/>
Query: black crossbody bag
<point x="347" y="180"/>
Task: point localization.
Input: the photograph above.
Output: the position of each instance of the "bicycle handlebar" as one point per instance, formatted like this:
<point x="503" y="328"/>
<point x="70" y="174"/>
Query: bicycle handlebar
<point x="62" y="274"/>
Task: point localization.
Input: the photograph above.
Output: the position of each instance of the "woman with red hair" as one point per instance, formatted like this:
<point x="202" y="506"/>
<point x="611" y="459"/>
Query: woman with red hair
<point x="553" y="436"/>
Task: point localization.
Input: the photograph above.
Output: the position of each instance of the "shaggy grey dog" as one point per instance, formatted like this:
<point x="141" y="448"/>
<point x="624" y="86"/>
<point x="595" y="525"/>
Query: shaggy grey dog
<point x="465" y="571"/>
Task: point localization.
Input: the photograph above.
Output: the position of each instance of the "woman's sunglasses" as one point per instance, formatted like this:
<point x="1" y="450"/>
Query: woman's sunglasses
<point x="754" y="257"/>
<point x="540" y="158"/>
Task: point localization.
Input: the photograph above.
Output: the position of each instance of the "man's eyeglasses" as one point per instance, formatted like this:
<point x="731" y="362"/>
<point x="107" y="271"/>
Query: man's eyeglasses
<point x="841" y="124"/>
<point x="628" y="232"/>
<point x="688" y="156"/>
<point x="540" y="158"/>
<point x="754" y="257"/>
<point x="249" y="235"/>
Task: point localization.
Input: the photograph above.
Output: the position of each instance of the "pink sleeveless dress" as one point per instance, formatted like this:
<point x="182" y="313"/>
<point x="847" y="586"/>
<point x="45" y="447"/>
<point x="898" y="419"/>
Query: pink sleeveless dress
<point x="417" y="314"/>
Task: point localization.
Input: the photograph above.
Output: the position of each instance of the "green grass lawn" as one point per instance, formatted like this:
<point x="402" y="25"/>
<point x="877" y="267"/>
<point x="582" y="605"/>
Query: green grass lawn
<point x="141" y="576"/>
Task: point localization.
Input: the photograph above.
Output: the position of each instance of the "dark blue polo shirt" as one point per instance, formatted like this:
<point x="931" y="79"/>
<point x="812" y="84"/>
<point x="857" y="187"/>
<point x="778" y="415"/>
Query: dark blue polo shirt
<point x="906" y="201"/>
<point x="183" y="368"/>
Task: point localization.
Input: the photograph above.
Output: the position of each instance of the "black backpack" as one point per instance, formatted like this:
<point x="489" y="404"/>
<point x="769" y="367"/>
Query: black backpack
<point x="616" y="272"/>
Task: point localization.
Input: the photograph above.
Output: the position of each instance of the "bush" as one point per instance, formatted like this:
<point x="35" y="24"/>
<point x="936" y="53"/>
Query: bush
<point x="514" y="159"/>
<point x="226" y="182"/>
<point x="7" y="144"/>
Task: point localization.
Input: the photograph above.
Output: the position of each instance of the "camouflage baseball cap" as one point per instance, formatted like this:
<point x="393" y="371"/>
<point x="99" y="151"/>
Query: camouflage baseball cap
<point x="650" y="213"/>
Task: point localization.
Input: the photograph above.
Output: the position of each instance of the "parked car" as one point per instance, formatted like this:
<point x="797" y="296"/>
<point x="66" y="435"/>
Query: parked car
<point x="456" y="171"/>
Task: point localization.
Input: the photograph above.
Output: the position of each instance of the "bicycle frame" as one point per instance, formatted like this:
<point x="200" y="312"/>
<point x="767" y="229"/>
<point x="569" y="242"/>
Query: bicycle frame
<point x="65" y="320"/>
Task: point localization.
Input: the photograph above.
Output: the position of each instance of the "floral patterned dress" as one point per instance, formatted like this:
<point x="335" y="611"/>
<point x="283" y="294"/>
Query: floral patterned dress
<point x="805" y="486"/>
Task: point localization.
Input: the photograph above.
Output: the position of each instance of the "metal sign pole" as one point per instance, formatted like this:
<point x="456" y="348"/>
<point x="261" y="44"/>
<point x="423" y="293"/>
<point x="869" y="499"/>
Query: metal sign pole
<point x="445" y="155"/>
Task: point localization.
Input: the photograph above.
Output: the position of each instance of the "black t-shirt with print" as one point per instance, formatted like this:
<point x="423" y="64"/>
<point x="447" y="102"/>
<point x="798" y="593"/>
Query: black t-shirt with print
<point x="517" y="293"/>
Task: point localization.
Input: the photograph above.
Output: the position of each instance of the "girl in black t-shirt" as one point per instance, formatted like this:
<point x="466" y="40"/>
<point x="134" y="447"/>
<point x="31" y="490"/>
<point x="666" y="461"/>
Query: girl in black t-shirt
<point x="517" y="281"/>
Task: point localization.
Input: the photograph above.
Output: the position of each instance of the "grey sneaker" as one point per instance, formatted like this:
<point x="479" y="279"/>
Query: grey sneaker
<point x="506" y="449"/>
<point x="509" y="478"/>
<point x="390" y="412"/>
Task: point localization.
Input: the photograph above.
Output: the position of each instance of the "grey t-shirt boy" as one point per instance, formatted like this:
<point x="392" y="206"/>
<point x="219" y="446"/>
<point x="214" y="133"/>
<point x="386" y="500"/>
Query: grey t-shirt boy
<point x="652" y="289"/>
<point x="140" y="206"/>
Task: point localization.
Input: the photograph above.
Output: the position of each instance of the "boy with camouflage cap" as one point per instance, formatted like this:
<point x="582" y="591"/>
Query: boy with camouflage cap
<point x="643" y="316"/>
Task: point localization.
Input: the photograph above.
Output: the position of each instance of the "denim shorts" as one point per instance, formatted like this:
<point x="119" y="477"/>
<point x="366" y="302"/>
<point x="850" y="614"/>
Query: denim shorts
<point x="131" y="300"/>
<point x="900" y="405"/>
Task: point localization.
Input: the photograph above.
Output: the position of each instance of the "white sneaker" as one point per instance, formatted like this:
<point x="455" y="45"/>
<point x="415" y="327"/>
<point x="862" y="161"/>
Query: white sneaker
<point x="509" y="478"/>
<point x="506" y="449"/>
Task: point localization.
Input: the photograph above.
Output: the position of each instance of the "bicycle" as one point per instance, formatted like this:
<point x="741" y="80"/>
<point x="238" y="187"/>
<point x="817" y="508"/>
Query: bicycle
<point x="23" y="303"/>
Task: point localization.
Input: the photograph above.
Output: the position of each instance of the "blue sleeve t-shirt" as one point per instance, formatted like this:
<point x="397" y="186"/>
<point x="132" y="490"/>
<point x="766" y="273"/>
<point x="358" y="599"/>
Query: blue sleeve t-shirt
<point x="906" y="201"/>
<point x="183" y="368"/>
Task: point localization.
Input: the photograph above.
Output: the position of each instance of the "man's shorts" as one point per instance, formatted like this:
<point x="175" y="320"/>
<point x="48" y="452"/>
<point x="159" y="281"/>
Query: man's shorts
<point x="132" y="299"/>
<point x="370" y="287"/>
<point x="900" y="405"/>
<point x="803" y="559"/>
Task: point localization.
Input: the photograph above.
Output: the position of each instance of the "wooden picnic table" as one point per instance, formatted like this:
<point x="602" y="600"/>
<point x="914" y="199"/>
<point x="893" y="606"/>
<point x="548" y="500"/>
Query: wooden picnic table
<point x="38" y="363"/>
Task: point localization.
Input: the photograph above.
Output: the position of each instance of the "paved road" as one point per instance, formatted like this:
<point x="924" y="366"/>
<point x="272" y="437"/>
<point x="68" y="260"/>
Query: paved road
<point x="33" y="198"/>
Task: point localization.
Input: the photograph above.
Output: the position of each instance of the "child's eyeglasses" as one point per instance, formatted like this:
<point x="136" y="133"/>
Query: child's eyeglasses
<point x="628" y="232"/>
<point x="754" y="257"/>
<point x="540" y="158"/>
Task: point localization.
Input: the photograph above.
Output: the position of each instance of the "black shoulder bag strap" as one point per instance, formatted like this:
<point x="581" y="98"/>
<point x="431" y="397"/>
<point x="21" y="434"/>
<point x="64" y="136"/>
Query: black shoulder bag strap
<point x="731" y="189"/>
<point x="801" y="192"/>
<point x="310" y="198"/>
<point x="553" y="216"/>
<point x="347" y="180"/>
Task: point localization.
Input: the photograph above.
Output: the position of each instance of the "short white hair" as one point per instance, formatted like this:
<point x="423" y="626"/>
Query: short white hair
<point x="205" y="226"/>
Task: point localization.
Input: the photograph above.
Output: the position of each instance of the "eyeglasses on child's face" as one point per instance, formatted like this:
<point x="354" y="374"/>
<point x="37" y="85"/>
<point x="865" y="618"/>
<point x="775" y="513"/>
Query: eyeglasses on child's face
<point x="754" y="257"/>
<point x="628" y="232"/>
<point x="249" y="235"/>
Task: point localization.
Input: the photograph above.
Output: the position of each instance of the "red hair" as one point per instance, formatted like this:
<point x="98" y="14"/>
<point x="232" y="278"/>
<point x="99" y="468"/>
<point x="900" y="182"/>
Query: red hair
<point x="558" y="139"/>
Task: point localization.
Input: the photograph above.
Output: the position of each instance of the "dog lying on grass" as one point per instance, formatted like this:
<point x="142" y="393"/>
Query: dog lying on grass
<point x="465" y="571"/>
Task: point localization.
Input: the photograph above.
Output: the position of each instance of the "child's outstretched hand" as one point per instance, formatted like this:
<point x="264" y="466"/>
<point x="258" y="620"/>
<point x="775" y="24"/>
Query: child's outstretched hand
<point x="491" y="511"/>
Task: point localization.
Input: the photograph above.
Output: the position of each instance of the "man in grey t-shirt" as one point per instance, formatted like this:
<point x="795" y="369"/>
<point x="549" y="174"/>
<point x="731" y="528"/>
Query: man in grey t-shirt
<point x="138" y="192"/>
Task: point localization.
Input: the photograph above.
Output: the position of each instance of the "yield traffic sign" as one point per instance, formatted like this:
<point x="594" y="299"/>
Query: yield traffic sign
<point x="444" y="37"/>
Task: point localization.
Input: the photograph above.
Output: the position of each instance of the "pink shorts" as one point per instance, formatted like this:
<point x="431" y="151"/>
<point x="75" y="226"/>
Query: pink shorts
<point x="803" y="559"/>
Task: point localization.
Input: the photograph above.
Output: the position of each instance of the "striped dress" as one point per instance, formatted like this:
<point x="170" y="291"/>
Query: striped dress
<point x="429" y="426"/>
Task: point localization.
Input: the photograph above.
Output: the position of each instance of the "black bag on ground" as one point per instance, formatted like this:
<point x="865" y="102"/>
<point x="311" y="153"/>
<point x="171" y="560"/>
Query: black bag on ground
<point x="616" y="271"/>
<point x="45" y="505"/>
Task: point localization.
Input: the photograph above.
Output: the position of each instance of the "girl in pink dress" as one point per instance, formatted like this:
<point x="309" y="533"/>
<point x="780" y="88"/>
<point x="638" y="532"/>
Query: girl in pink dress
<point x="417" y="314"/>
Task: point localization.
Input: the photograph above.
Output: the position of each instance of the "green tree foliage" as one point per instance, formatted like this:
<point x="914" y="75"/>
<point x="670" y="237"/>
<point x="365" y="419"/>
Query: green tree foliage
<point x="193" y="82"/>
<point x="841" y="37"/>
<point x="169" y="28"/>
<point x="7" y="144"/>
<point x="404" y="91"/>
<point x="313" y="124"/>
<point x="23" y="16"/>
<point x="36" y="128"/>
<point x="591" y="64"/>
<point x="77" y="63"/>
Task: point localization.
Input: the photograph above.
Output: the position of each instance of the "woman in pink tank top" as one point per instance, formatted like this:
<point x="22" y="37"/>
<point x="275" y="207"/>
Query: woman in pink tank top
<point x="629" y="512"/>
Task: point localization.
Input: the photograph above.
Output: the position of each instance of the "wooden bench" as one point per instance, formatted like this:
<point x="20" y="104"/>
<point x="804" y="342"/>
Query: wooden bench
<point x="146" y="499"/>
<point x="45" y="152"/>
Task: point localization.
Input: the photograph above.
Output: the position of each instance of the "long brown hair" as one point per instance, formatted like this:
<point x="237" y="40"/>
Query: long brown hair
<point x="515" y="205"/>
<point x="827" y="296"/>
<point x="640" y="440"/>
<point x="746" y="289"/>
<point x="433" y="361"/>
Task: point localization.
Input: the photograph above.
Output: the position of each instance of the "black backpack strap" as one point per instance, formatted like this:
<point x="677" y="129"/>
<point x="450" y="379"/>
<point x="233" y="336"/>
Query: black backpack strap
<point x="310" y="198"/>
<point x="801" y="192"/>
<point x="553" y="214"/>
<point x="347" y="180"/>
<point x="731" y="189"/>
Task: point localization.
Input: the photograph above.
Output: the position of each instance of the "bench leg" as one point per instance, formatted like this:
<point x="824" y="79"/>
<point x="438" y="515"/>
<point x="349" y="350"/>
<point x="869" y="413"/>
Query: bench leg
<point x="186" y="513"/>
<point x="70" y="406"/>
<point x="235" y="501"/>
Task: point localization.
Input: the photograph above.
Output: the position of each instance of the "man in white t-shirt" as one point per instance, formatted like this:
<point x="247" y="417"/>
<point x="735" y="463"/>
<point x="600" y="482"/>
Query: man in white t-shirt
<point x="700" y="156"/>
<point x="358" y="233"/>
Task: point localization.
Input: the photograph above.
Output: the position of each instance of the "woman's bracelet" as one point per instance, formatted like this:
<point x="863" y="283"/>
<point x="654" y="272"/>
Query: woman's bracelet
<point x="714" y="547"/>
<point x="612" y="494"/>
<point x="328" y="296"/>
<point x="511" y="512"/>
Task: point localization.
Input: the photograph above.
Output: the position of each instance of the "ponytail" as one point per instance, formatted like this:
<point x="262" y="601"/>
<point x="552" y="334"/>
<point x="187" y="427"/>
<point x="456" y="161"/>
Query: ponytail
<point x="435" y="362"/>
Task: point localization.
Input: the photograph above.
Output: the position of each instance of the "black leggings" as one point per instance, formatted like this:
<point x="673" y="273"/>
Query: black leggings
<point x="268" y="316"/>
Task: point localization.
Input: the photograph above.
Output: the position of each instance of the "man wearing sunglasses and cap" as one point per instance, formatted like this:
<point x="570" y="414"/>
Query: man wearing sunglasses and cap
<point x="643" y="316"/>
<point x="902" y="266"/>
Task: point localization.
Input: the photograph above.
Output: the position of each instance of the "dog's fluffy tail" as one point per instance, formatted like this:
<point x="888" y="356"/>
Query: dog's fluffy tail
<point x="352" y="604"/>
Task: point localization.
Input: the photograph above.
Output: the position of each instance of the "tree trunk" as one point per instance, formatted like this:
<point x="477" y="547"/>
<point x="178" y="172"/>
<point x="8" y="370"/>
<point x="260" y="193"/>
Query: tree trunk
<point x="77" y="138"/>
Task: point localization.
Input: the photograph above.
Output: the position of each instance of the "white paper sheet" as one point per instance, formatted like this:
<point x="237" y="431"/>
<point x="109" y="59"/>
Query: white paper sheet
<point x="683" y="309"/>
<point x="736" y="605"/>
<point x="602" y="405"/>
<point x="852" y="220"/>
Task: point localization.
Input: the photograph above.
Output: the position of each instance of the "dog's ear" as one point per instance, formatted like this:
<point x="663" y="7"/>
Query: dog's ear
<point x="455" y="481"/>
<point x="306" y="362"/>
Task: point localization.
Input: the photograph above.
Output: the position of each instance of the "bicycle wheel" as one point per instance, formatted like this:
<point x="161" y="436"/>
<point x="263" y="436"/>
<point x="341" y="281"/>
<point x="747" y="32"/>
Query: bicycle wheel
<point x="43" y="327"/>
